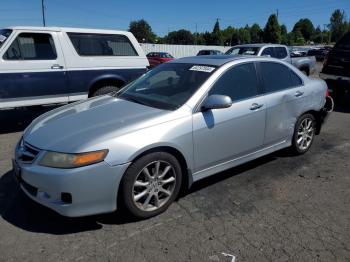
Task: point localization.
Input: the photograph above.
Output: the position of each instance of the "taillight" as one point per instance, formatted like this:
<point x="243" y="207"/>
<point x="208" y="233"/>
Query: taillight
<point x="327" y="93"/>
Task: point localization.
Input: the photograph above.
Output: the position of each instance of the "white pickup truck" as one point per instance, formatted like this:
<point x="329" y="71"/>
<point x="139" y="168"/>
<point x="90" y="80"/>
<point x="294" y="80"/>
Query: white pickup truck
<point x="45" y="65"/>
<point x="305" y="64"/>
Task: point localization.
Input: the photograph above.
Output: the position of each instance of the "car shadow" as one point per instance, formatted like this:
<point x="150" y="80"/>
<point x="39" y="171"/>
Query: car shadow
<point x="19" y="210"/>
<point x="17" y="119"/>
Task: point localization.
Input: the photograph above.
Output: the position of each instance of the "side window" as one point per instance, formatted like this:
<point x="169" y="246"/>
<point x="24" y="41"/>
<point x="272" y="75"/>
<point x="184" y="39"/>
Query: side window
<point x="277" y="77"/>
<point x="280" y="52"/>
<point x="239" y="82"/>
<point x="32" y="46"/>
<point x="102" y="45"/>
<point x="296" y="80"/>
<point x="268" y="52"/>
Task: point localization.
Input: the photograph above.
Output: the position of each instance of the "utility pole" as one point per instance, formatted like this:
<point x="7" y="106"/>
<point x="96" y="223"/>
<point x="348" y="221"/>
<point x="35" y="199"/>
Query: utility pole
<point x="196" y="35"/>
<point x="43" y="12"/>
<point x="277" y="13"/>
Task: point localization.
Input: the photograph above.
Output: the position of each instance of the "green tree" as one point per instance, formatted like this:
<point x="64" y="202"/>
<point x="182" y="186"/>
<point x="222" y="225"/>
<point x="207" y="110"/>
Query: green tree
<point x="227" y="35"/>
<point x="256" y="33"/>
<point x="284" y="35"/>
<point x="244" y="35"/>
<point x="180" y="37"/>
<point x="272" y="30"/>
<point x="216" y="34"/>
<point x="306" y="28"/>
<point x="338" y="25"/>
<point x="296" y="38"/>
<point x="142" y="31"/>
<point x="318" y="35"/>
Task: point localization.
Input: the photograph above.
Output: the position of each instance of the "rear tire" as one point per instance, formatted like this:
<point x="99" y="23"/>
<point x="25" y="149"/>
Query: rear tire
<point x="104" y="90"/>
<point x="151" y="184"/>
<point x="304" y="134"/>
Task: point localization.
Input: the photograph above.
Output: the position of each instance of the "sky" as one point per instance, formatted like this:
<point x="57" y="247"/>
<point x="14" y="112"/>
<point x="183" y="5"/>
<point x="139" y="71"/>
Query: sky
<point x="165" y="15"/>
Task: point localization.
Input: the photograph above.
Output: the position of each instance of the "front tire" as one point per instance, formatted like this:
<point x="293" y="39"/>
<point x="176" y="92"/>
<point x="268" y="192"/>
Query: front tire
<point x="304" y="134"/>
<point x="151" y="184"/>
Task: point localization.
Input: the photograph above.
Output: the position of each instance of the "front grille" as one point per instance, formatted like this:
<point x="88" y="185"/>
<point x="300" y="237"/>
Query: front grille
<point x="27" y="153"/>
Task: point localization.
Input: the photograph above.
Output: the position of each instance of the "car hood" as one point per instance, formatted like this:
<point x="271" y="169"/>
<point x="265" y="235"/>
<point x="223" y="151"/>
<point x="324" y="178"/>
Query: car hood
<point x="73" y="127"/>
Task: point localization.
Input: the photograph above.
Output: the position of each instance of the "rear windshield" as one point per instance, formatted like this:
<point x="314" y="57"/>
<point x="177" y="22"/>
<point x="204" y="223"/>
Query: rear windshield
<point x="344" y="43"/>
<point x="4" y="34"/>
<point x="102" y="44"/>
<point x="243" y="50"/>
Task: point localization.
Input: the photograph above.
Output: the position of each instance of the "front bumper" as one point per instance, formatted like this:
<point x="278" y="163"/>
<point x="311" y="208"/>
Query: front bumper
<point x="93" y="189"/>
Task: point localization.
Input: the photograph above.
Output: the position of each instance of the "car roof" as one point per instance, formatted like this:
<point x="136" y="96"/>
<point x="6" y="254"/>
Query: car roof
<point x="259" y="45"/>
<point x="67" y="29"/>
<point x="214" y="60"/>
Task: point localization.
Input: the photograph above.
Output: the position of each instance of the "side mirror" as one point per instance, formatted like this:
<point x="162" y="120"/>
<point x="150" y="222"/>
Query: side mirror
<point x="216" y="102"/>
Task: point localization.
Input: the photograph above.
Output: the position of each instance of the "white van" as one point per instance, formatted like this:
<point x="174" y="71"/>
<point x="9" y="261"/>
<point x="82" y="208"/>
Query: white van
<point x="45" y="65"/>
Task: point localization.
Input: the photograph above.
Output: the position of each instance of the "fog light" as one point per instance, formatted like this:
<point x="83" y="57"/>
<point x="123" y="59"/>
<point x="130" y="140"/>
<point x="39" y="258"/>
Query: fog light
<point x="66" y="198"/>
<point x="43" y="194"/>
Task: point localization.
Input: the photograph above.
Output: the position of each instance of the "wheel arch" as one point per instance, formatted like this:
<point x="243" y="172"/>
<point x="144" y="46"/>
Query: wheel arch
<point x="186" y="171"/>
<point x="104" y="80"/>
<point x="318" y="118"/>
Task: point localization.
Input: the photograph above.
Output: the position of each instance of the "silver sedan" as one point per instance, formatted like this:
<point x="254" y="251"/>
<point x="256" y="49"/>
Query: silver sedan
<point x="180" y="122"/>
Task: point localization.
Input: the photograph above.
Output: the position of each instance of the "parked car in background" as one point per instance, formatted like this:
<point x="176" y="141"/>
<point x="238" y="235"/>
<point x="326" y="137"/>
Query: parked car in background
<point x="45" y="65"/>
<point x="296" y="51"/>
<point x="305" y="64"/>
<point x="336" y="67"/>
<point x="180" y="122"/>
<point x="320" y="53"/>
<point x="209" y="52"/>
<point x="157" y="58"/>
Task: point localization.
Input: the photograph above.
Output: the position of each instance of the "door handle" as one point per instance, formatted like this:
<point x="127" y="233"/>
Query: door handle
<point x="255" y="106"/>
<point x="298" y="93"/>
<point x="56" y="66"/>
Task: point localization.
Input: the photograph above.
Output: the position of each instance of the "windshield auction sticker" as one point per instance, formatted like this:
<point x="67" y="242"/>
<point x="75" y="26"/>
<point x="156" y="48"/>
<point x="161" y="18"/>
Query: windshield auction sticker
<point x="200" y="68"/>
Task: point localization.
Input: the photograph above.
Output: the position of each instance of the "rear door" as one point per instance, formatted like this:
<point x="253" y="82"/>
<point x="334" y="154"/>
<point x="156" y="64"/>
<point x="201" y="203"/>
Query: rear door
<point x="285" y="97"/>
<point x="224" y="134"/>
<point x="33" y="68"/>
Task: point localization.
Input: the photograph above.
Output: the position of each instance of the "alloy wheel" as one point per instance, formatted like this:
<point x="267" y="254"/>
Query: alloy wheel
<point x="154" y="186"/>
<point x="306" y="133"/>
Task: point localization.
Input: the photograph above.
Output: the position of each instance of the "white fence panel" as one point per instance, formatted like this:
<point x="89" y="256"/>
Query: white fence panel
<point x="180" y="50"/>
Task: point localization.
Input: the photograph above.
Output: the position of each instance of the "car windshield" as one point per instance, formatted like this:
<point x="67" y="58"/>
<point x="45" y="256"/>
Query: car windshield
<point x="243" y="50"/>
<point x="4" y="34"/>
<point x="165" y="55"/>
<point x="344" y="43"/>
<point x="167" y="86"/>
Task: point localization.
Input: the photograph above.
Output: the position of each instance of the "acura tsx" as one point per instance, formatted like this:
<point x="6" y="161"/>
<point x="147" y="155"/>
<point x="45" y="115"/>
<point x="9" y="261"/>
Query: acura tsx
<point x="180" y="122"/>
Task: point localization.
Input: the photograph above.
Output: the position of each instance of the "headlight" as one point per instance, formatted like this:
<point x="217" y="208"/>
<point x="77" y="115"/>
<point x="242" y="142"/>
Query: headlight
<point x="63" y="160"/>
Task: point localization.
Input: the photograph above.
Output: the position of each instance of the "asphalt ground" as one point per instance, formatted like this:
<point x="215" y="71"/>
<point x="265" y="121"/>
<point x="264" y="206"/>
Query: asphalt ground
<point x="277" y="208"/>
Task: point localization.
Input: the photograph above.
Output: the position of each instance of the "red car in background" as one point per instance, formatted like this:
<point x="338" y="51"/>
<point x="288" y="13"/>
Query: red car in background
<point x="157" y="58"/>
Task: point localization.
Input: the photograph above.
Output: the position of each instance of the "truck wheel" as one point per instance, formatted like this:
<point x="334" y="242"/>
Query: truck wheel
<point x="104" y="90"/>
<point x="150" y="184"/>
